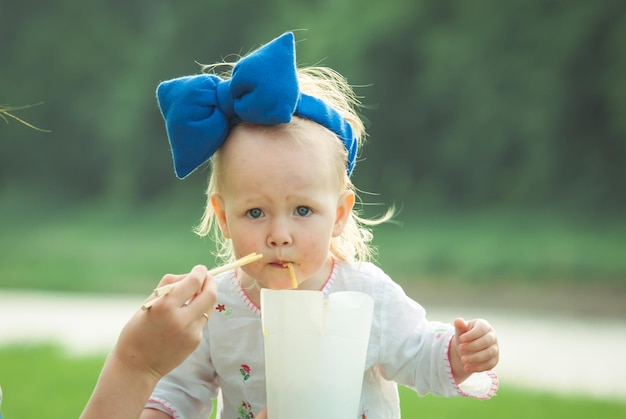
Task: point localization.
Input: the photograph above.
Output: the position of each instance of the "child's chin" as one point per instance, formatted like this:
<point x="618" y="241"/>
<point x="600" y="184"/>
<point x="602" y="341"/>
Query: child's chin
<point x="280" y="284"/>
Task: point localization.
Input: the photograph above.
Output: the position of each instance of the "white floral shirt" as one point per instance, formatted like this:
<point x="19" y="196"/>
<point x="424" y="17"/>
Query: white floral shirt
<point x="404" y="348"/>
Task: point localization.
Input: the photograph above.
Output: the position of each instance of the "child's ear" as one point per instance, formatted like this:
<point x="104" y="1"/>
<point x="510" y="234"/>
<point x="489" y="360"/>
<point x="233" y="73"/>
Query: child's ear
<point x="344" y="209"/>
<point x="217" y="202"/>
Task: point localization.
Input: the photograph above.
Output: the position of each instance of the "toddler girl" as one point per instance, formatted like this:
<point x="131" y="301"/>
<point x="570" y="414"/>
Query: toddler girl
<point x="283" y="143"/>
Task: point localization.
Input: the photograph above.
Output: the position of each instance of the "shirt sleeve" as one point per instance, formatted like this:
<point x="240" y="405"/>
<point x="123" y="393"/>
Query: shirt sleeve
<point x="186" y="392"/>
<point x="414" y="351"/>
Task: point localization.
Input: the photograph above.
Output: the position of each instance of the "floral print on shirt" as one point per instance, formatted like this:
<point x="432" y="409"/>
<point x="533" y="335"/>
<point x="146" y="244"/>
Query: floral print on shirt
<point x="245" y="371"/>
<point x="221" y="308"/>
<point x="244" y="411"/>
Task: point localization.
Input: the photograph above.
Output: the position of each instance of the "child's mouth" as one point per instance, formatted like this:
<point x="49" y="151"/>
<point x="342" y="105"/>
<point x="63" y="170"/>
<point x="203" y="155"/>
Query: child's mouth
<point x="279" y="265"/>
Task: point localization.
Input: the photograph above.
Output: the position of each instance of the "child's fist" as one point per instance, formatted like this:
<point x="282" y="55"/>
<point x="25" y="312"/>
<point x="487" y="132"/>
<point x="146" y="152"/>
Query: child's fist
<point x="476" y="345"/>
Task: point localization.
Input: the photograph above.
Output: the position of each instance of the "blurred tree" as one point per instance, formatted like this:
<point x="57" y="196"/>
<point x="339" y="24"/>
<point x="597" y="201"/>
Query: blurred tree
<point x="468" y="104"/>
<point x="503" y="103"/>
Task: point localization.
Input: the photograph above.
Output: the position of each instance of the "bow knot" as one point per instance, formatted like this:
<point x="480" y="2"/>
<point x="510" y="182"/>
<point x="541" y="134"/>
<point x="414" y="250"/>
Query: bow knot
<point x="225" y="100"/>
<point x="200" y="110"/>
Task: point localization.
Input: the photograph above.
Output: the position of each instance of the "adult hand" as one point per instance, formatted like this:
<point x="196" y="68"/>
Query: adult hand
<point x="151" y="344"/>
<point x="160" y="338"/>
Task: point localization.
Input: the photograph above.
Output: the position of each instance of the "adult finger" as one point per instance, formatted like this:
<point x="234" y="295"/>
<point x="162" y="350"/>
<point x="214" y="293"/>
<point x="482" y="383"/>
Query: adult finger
<point x="188" y="287"/>
<point x="204" y="302"/>
<point x="166" y="280"/>
<point x="170" y="279"/>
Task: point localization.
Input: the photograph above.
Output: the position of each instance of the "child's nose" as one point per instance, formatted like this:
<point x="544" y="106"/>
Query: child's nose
<point x="279" y="235"/>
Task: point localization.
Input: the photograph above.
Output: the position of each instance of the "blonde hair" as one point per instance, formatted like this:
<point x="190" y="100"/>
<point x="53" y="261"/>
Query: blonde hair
<point x="354" y="243"/>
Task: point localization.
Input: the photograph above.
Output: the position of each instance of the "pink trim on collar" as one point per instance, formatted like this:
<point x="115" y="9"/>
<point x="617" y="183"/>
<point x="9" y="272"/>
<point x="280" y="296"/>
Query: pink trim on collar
<point x="244" y="296"/>
<point x="331" y="279"/>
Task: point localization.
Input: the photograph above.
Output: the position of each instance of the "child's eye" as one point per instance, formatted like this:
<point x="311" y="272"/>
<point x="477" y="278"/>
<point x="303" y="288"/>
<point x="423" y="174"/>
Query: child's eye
<point x="254" y="213"/>
<point x="303" y="211"/>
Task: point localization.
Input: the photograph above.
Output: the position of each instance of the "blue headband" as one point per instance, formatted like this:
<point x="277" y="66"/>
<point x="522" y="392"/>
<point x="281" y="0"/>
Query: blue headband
<point x="200" y="110"/>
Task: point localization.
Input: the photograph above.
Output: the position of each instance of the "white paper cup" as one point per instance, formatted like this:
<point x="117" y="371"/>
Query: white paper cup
<point x="315" y="352"/>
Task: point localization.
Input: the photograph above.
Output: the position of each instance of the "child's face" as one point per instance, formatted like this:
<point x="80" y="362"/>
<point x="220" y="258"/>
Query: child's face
<point x="281" y="199"/>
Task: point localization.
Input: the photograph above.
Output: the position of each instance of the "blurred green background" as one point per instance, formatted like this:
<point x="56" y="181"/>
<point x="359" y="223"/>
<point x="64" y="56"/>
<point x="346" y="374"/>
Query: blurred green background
<point x="496" y="127"/>
<point x="469" y="104"/>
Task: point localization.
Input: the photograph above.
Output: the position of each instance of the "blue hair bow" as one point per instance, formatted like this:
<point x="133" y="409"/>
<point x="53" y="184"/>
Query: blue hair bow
<point x="200" y="110"/>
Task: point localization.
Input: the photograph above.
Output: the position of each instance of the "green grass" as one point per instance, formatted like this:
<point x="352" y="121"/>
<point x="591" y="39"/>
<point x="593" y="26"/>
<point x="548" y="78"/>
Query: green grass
<point x="509" y="403"/>
<point x="96" y="249"/>
<point x="506" y="246"/>
<point x="44" y="382"/>
<point x="103" y="249"/>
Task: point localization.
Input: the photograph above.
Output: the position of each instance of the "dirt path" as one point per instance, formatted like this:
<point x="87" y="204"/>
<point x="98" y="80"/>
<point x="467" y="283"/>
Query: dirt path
<point x="563" y="353"/>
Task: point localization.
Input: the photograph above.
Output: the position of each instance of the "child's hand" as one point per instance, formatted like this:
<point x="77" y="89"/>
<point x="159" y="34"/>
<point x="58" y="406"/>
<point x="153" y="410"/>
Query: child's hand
<point x="474" y="348"/>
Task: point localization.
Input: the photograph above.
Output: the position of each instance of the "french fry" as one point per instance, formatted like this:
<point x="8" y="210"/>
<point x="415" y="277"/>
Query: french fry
<point x="292" y="274"/>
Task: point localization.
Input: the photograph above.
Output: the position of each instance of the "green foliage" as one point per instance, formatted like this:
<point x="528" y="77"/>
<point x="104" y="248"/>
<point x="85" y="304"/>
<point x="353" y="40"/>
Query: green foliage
<point x="43" y="381"/>
<point x="505" y="247"/>
<point x="108" y="249"/>
<point x="504" y="103"/>
<point x="470" y="104"/>
<point x="100" y="249"/>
